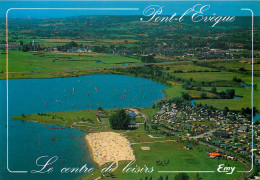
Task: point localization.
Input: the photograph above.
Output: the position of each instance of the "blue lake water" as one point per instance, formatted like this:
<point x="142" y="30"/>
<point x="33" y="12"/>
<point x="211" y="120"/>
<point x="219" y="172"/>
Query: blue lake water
<point x="28" y="141"/>
<point x="193" y="102"/>
<point x="256" y="117"/>
<point x="245" y="85"/>
<point x="36" y="67"/>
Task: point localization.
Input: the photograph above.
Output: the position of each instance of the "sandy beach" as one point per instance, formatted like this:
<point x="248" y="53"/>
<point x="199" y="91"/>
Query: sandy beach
<point x="109" y="147"/>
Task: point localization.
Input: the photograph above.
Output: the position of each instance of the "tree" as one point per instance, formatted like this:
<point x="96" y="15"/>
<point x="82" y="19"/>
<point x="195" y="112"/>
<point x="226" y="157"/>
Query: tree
<point x="181" y="176"/>
<point x="100" y="108"/>
<point x="178" y="100"/>
<point x="214" y="90"/>
<point x="198" y="176"/>
<point x="112" y="47"/>
<point x="25" y="48"/>
<point x="155" y="126"/>
<point x="230" y="93"/>
<point x="198" y="88"/>
<point x="203" y="95"/>
<point x="237" y="79"/>
<point x="243" y="111"/>
<point x="119" y="120"/>
<point x="148" y="59"/>
<point x="256" y="122"/>
<point x="187" y="85"/>
<point x="235" y="139"/>
<point x="185" y="96"/>
<point x="225" y="111"/>
<point x="242" y="69"/>
<point x="160" y="178"/>
<point x="222" y="94"/>
<point x="73" y="44"/>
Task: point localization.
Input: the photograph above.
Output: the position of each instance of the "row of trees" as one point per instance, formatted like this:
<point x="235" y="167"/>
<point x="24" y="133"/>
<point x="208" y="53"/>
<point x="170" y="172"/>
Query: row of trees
<point x="30" y="46"/>
<point x="120" y="120"/>
<point x="148" y="59"/>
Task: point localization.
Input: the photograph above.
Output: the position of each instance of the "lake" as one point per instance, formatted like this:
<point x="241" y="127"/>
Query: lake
<point x="28" y="141"/>
<point x="245" y="85"/>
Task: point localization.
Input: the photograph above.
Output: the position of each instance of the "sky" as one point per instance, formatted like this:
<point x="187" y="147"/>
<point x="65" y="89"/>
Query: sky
<point x="220" y="8"/>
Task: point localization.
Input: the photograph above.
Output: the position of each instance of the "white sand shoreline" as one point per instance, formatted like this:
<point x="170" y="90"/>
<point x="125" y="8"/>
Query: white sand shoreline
<point x="109" y="147"/>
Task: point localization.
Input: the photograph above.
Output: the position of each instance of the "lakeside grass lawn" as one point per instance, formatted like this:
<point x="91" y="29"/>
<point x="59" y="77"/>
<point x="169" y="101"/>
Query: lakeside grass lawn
<point x="22" y="61"/>
<point x="173" y="91"/>
<point x="179" y="158"/>
<point x="62" y="74"/>
<point x="85" y="120"/>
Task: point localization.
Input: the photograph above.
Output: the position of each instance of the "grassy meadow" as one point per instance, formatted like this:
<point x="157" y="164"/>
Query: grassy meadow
<point x="222" y="80"/>
<point x="83" y="120"/>
<point x="24" y="61"/>
<point x="179" y="158"/>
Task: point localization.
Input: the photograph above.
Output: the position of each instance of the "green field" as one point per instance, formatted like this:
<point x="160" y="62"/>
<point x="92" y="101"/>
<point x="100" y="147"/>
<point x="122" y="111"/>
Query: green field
<point x="233" y="104"/>
<point x="174" y="90"/>
<point x="186" y="66"/>
<point x="150" y="112"/>
<point x="216" y="76"/>
<point x="179" y="158"/>
<point x="125" y="41"/>
<point x="23" y="61"/>
<point x="236" y="65"/>
<point x="83" y="120"/>
<point x="218" y="80"/>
